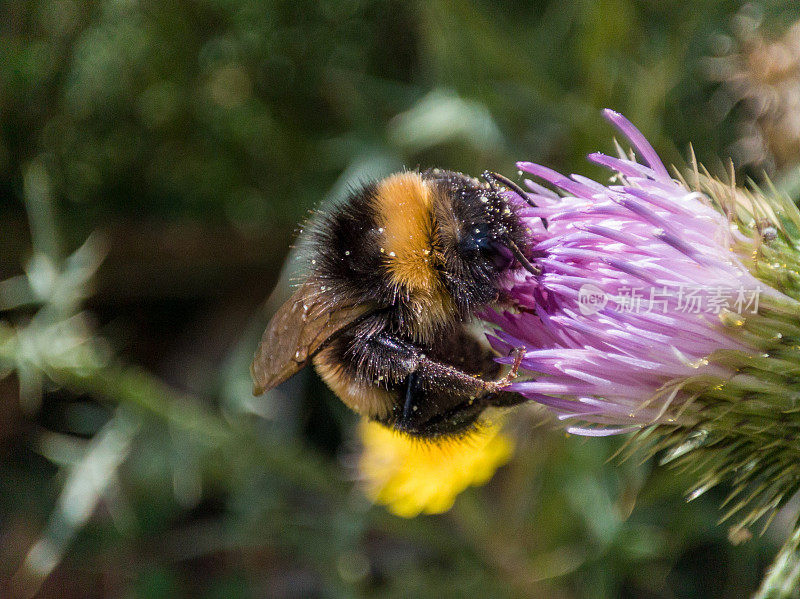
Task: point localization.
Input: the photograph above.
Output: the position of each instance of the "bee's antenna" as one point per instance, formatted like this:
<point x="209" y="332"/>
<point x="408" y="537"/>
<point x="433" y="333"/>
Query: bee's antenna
<point x="493" y="178"/>
<point x="523" y="260"/>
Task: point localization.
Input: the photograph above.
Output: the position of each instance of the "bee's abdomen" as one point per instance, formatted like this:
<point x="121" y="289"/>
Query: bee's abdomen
<point x="370" y="394"/>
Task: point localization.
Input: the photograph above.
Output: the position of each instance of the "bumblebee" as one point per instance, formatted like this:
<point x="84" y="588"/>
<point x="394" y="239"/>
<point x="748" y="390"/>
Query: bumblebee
<point x="395" y="274"/>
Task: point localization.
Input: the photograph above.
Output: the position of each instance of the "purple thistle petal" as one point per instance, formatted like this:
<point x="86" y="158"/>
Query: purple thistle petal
<point x="542" y="191"/>
<point x="665" y="203"/>
<point x="556" y="179"/>
<point x="600" y="432"/>
<point x="638" y="140"/>
<point x="589" y="183"/>
<point x="625" y="238"/>
<point x="626" y="167"/>
<point x="679" y="244"/>
<point x="631" y="269"/>
<point x="642" y="211"/>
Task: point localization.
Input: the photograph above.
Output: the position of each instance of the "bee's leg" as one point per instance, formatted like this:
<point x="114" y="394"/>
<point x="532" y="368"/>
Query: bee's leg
<point x="518" y="353"/>
<point x="412" y="391"/>
<point x="436" y="398"/>
<point x="406" y="358"/>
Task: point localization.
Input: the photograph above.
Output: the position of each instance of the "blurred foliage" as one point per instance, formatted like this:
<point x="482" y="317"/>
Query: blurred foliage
<point x="189" y="139"/>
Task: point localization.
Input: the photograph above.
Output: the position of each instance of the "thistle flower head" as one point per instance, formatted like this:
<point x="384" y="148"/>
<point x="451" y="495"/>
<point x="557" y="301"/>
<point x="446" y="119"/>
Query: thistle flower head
<point x="661" y="303"/>
<point x="642" y="294"/>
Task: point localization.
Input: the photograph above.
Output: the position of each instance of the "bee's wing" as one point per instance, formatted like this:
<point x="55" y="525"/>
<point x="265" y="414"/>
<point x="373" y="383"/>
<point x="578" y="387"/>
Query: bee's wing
<point x="301" y="327"/>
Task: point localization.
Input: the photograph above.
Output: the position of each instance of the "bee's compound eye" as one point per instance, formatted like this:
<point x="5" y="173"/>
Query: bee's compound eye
<point x="476" y="238"/>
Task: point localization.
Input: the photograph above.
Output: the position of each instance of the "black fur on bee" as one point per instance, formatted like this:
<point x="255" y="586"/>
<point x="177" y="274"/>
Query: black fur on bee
<point x="395" y="274"/>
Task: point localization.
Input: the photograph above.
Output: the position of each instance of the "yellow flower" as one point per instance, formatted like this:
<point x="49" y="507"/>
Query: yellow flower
<point x="411" y="476"/>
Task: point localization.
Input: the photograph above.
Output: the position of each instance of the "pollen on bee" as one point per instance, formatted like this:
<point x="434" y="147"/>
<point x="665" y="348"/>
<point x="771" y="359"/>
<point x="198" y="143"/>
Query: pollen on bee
<point x="392" y="254"/>
<point x="380" y="229"/>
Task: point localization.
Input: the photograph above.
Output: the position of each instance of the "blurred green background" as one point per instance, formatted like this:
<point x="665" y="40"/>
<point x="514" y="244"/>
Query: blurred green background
<point x="186" y="141"/>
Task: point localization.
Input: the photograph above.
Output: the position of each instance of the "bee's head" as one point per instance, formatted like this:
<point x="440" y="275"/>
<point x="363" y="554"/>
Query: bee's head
<point x="478" y="233"/>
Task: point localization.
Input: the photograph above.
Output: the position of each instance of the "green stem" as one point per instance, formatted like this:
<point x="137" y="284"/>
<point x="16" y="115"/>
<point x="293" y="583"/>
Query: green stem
<point x="783" y="577"/>
<point x="138" y="389"/>
<point x="135" y="387"/>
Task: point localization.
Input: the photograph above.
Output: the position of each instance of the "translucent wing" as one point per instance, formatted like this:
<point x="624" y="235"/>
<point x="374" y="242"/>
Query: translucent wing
<point x="300" y="328"/>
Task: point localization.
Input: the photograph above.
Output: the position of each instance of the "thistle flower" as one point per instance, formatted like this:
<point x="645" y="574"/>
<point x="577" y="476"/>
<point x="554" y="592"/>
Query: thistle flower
<point x="412" y="477"/>
<point x="666" y="303"/>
